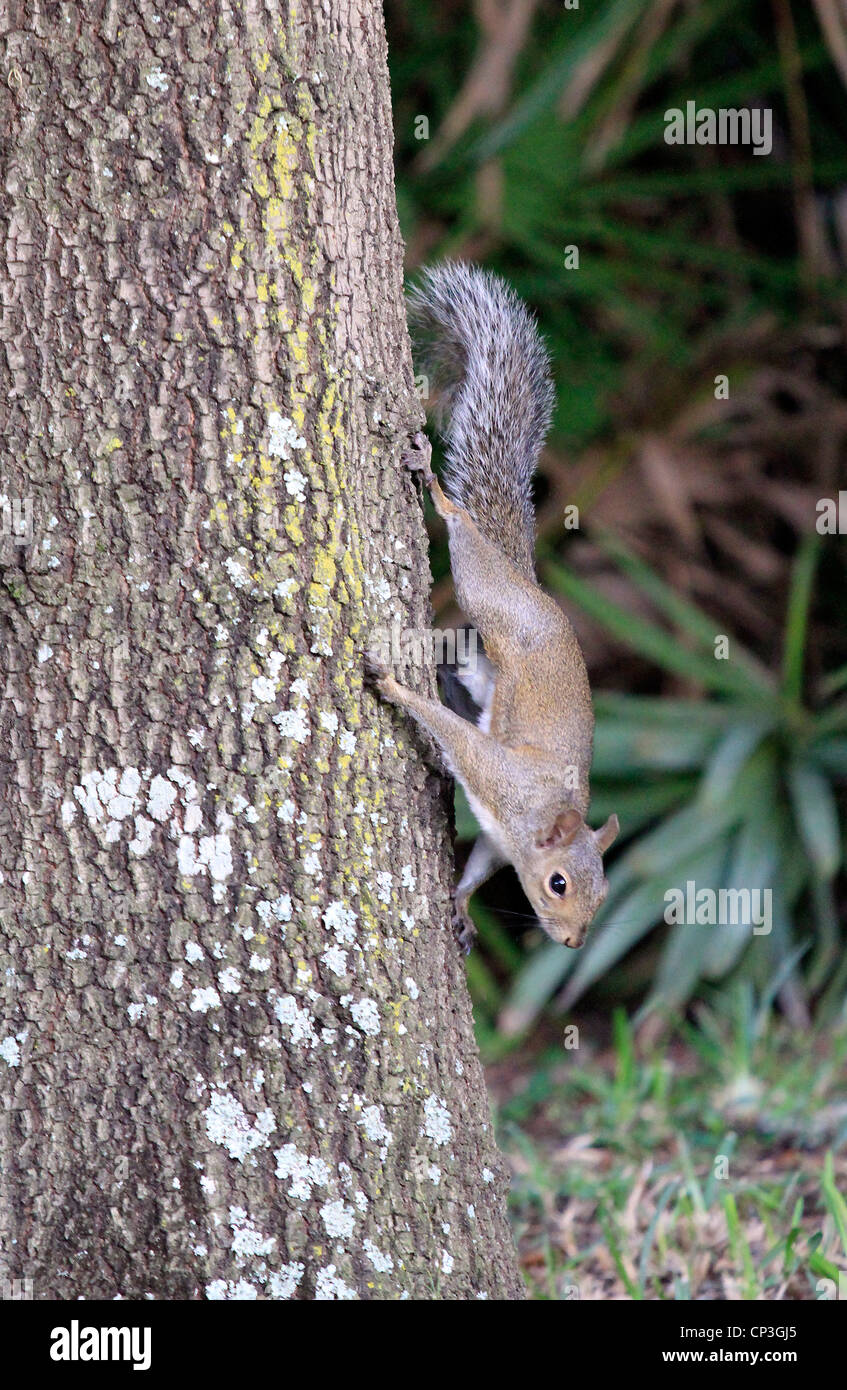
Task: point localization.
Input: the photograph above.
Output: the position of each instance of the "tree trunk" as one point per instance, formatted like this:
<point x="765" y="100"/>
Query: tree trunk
<point x="235" y="1039"/>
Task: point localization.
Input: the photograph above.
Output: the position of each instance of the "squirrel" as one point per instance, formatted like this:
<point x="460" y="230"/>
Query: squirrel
<point x="525" y="764"/>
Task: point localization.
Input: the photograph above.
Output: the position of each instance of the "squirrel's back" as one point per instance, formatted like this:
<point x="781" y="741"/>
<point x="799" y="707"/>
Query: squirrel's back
<point x="490" y="371"/>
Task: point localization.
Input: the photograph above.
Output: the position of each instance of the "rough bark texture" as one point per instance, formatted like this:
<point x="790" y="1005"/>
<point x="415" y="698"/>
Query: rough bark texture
<point x="236" y="1054"/>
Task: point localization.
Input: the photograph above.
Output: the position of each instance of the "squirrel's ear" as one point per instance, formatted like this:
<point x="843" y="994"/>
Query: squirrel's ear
<point x="607" y="833"/>
<point x="562" y="831"/>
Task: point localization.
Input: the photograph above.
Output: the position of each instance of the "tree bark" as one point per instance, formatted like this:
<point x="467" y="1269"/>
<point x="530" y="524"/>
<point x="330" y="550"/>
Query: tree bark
<point x="236" y="1049"/>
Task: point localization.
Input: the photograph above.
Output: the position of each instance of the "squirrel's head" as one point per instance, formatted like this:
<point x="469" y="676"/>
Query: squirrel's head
<point x="564" y="878"/>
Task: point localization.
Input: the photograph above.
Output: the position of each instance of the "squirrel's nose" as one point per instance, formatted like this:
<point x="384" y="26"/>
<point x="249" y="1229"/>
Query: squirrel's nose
<point x="574" y="940"/>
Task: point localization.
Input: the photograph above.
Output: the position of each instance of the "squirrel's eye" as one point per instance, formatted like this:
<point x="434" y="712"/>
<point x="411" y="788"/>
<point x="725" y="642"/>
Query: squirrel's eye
<point x="558" y="885"/>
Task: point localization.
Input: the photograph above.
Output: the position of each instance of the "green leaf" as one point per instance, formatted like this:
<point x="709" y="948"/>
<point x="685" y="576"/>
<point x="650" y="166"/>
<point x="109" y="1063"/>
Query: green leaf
<point x="816" y="814"/>
<point x="647" y="639"/>
<point x="534" y="986"/>
<point x="611" y="20"/>
<point x="730" y="756"/>
<point x="831" y="684"/>
<point x="685" y="833"/>
<point x="751" y="871"/>
<point x="628" y="748"/>
<point x="834" y="1200"/>
<point x="635" y="914"/>
<point x="830" y="755"/>
<point x="686" y="615"/>
<point x="687" y="944"/>
<point x="637" y="806"/>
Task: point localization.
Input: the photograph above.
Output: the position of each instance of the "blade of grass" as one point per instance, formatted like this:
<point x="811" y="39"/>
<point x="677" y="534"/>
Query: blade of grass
<point x="797" y="620"/>
<point x="834" y="1200"/>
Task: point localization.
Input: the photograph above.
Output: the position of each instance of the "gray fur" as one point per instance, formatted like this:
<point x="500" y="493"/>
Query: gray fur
<point x="486" y="360"/>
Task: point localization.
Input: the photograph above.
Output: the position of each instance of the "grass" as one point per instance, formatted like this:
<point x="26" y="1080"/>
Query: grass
<point x="711" y="1166"/>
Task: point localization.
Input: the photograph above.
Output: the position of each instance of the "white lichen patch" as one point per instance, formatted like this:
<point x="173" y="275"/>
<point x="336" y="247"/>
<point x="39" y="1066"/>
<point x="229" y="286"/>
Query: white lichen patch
<point x="328" y="1286"/>
<point x="158" y="80"/>
<point x="436" y="1125"/>
<point x="10" y="1050"/>
<point x="374" y="1126"/>
<point x="297" y="1020"/>
<point x="295" y="484"/>
<point x="304" y="1172"/>
<point x="143" y="838"/>
<point x="383" y="1264"/>
<point x="172" y="802"/>
<point x="335" y="959"/>
<point x="365" y="1015"/>
<point x="312" y="864"/>
<point x="161" y="798"/>
<point x="238" y="575"/>
<point x="247" y="1240"/>
<point x="202" y="1000"/>
<point x="282" y="1283"/>
<point x="292" y="723"/>
<point x="264" y="690"/>
<point x="342" y="921"/>
<point x="276" y="910"/>
<point x="228" y="1124"/>
<point x="339" y="1220"/>
<point x="212" y="853"/>
<point x="282" y="436"/>
<point x="238" y="1291"/>
<point x="108" y="797"/>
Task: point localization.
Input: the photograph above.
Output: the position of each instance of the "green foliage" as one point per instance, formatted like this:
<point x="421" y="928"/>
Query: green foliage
<point x="666" y="265"/>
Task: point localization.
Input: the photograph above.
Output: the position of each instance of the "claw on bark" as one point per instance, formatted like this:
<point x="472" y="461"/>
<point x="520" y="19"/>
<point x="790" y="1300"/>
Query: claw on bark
<point x="463" y="930"/>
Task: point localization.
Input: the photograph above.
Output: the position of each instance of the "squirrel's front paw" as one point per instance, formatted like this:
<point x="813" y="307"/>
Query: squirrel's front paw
<point x="463" y="929"/>
<point x="417" y="458"/>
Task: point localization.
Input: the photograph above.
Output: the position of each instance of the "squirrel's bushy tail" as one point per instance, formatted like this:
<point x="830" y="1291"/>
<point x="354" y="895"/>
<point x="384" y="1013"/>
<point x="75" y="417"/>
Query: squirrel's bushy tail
<point x="489" y="371"/>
